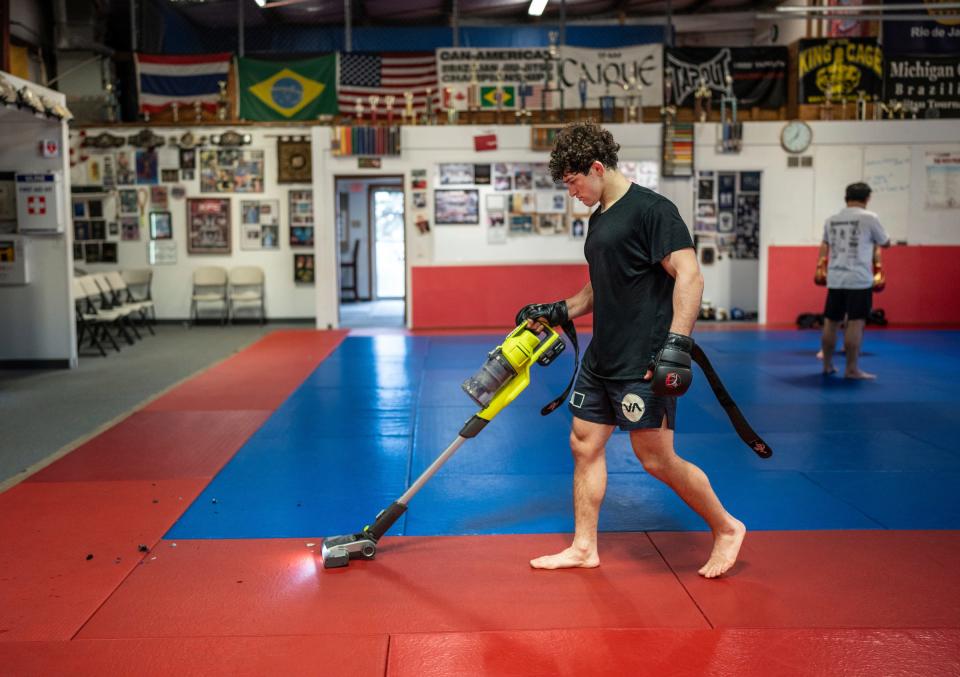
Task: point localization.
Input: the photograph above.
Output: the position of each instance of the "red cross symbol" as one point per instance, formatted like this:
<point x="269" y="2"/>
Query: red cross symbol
<point x="38" y="209"/>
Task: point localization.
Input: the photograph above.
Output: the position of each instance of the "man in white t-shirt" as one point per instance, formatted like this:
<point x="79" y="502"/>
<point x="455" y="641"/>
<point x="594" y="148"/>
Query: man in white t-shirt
<point x="849" y="239"/>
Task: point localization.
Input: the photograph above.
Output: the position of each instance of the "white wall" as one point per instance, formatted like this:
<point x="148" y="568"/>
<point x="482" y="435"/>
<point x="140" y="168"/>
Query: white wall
<point x="172" y="284"/>
<point x="37" y="319"/>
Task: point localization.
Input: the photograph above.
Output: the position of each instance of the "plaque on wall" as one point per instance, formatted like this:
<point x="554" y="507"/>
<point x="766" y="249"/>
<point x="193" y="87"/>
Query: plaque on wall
<point x="293" y="160"/>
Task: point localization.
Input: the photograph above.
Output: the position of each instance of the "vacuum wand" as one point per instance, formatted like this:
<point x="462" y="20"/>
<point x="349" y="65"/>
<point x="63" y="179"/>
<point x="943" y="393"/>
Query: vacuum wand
<point x="504" y="375"/>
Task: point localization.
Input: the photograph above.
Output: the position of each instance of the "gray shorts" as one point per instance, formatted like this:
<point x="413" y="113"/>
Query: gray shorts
<point x="628" y="404"/>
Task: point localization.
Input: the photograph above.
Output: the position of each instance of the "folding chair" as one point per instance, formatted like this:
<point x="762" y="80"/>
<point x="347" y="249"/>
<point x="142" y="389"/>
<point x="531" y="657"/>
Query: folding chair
<point x="121" y="294"/>
<point x="209" y="286"/>
<point x="139" y="282"/>
<point x="111" y="301"/>
<point x="93" y="317"/>
<point x="247" y="288"/>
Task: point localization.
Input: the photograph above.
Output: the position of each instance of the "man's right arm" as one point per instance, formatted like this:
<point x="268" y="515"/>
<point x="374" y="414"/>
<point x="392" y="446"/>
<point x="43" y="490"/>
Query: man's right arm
<point x="581" y="303"/>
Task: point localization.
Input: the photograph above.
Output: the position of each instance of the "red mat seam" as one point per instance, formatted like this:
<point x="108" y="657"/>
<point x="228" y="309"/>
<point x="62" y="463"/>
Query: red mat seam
<point x="677" y="576"/>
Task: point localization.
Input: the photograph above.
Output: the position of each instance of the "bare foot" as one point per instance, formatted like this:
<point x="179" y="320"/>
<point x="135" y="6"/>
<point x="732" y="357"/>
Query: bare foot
<point x="820" y="354"/>
<point x="859" y="375"/>
<point x="726" y="547"/>
<point x="829" y="369"/>
<point x="568" y="559"/>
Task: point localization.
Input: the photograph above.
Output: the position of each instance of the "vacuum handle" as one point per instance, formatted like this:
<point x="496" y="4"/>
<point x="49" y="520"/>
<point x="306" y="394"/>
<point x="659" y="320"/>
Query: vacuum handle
<point x="385" y="520"/>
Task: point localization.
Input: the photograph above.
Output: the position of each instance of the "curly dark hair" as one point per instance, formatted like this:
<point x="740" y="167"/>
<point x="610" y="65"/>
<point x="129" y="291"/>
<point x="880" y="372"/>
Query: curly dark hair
<point x="579" y="145"/>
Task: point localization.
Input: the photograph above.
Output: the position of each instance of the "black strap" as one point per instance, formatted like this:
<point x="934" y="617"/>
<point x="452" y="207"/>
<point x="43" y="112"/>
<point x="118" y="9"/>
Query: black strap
<point x="571" y="333"/>
<point x="746" y="433"/>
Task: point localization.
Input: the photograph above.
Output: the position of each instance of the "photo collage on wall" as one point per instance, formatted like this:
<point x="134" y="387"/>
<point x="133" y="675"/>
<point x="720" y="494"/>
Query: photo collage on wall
<point x="259" y="224"/>
<point x="301" y="218"/>
<point x="231" y="170"/>
<point x="727" y="213"/>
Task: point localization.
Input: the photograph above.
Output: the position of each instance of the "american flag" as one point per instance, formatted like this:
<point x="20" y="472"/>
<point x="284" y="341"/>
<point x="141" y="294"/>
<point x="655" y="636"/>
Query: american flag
<point x="382" y="74"/>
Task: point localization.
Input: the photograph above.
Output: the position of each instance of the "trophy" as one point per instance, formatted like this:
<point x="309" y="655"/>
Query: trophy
<point x="409" y="116"/>
<point x="550" y="63"/>
<point x="731" y="128"/>
<point x="914" y="109"/>
<point x="702" y="101"/>
<point x="198" y="111"/>
<point x="523" y="113"/>
<point x="388" y="100"/>
<point x="826" y="108"/>
<point x="451" y="109"/>
<point x="582" y="89"/>
<point x="630" y="102"/>
<point x="358" y="110"/>
<point x="668" y="110"/>
<point x="146" y="116"/>
<point x="499" y="95"/>
<point x="608" y="103"/>
<point x="175" y="111"/>
<point x="374" y="100"/>
<point x="222" y="100"/>
<point x="111" y="107"/>
<point x="861" y="105"/>
<point x="429" y="117"/>
<point x="473" y="92"/>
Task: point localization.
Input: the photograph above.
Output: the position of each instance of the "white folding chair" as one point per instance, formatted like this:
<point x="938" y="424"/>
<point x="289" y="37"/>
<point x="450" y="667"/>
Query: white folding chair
<point x="121" y="293"/>
<point x="110" y="300"/>
<point x="209" y="286"/>
<point x="247" y="289"/>
<point x="98" y="312"/>
<point x="139" y="282"/>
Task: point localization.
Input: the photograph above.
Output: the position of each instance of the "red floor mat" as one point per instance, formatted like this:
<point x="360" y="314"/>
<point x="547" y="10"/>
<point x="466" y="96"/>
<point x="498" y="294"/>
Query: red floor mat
<point x="678" y="653"/>
<point x="260" y="377"/>
<point x="48" y="586"/>
<point x="154" y="445"/>
<point x="865" y="579"/>
<point x="467" y="583"/>
<point x="233" y="656"/>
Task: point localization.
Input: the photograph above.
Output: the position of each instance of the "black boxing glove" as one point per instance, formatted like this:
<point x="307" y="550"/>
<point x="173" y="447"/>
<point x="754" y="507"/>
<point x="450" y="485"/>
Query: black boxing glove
<point x="554" y="313"/>
<point x="672" y="374"/>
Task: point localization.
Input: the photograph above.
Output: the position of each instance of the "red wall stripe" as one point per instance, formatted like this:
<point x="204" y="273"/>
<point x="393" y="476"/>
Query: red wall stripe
<point x="923" y="284"/>
<point x="488" y="296"/>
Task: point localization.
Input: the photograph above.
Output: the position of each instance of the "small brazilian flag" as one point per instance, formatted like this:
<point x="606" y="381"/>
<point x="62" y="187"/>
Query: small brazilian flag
<point x="288" y="90"/>
<point x="488" y="97"/>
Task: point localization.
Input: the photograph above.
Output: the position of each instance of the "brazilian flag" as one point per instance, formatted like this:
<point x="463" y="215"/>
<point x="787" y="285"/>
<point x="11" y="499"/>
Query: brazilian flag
<point x="288" y="90"/>
<point x="488" y="97"/>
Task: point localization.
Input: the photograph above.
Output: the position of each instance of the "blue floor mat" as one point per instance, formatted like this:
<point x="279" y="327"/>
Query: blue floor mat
<point x="379" y="410"/>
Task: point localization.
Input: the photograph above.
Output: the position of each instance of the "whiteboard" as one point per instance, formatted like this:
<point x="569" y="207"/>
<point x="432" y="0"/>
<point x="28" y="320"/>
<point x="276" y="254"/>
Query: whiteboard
<point x="887" y="170"/>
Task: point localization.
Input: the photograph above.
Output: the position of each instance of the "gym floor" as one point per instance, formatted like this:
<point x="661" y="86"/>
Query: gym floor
<point x="185" y="538"/>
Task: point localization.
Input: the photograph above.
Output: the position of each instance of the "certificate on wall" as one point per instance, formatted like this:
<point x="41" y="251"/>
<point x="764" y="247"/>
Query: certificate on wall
<point x="942" y="189"/>
<point x="161" y="252"/>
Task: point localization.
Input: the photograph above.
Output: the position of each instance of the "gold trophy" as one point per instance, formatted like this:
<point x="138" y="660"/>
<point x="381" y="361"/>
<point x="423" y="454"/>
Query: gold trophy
<point x="222" y="100"/>
<point x="409" y="116"/>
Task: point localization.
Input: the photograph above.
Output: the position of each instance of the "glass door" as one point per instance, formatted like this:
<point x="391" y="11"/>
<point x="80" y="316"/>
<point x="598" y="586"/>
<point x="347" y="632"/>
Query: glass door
<point x="386" y="206"/>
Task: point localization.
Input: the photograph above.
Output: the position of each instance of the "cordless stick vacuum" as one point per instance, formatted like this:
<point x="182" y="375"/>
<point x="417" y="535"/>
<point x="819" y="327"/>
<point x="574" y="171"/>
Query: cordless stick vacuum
<point x="499" y="381"/>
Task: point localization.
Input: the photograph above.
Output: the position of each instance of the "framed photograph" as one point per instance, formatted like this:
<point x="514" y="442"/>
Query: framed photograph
<point x="161" y="226"/>
<point x="452" y="174"/>
<point x="456" y="206"/>
<point x="169" y="175"/>
<point x="270" y="237"/>
<point x="188" y="158"/>
<point x="95" y="209"/>
<point x="496" y="202"/>
<point x="303" y="270"/>
<point x="98" y="230"/>
<point x="418" y="179"/>
<point x="113" y="228"/>
<point x="187" y="174"/>
<point x="208" y="226"/>
<point x="496" y="227"/>
<point x="293" y="160"/>
<point x="501" y="182"/>
<point x="523" y="176"/>
<point x="91" y="252"/>
<point x="108" y="252"/>
<point x="578" y="227"/>
<point x="128" y="201"/>
<point x="521" y="224"/>
<point x="255" y="216"/>
<point x="79" y="209"/>
<point x="481" y="175"/>
<point x="551" y="203"/>
<point x="147" y="171"/>
<point x="541" y="177"/>
<point x="301" y="236"/>
<point x="129" y="228"/>
<point x="126" y="169"/>
<point x="301" y="208"/>
<point x="81" y="230"/>
<point x="419" y="200"/>
<point x="524" y="202"/>
<point x="551" y="224"/>
<point x="158" y="196"/>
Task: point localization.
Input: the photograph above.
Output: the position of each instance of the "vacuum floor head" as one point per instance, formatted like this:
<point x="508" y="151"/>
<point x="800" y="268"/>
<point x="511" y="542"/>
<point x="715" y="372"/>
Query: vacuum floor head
<point x="337" y="551"/>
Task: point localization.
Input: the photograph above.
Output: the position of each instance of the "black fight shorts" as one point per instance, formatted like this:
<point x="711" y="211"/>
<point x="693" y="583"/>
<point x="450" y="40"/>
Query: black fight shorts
<point x="628" y="404"/>
<point x="854" y="304"/>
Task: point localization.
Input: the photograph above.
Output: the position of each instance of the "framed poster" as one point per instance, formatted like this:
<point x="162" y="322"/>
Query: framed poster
<point x="452" y="174"/>
<point x="301" y="207"/>
<point x="293" y="160"/>
<point x="161" y="226"/>
<point x="303" y="270"/>
<point x="129" y="228"/>
<point x="208" y="226"/>
<point x="301" y="236"/>
<point x="147" y="171"/>
<point x="457" y="206"/>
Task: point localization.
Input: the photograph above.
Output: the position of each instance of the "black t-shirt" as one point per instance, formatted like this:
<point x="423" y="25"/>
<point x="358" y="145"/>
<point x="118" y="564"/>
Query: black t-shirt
<point x="632" y="292"/>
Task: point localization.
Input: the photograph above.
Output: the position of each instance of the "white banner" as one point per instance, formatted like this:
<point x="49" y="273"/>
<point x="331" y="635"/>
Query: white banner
<point x="599" y="71"/>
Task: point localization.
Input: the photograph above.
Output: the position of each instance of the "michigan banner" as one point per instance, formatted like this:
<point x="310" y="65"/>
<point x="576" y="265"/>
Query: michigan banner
<point x="844" y="67"/>
<point x="288" y="90"/>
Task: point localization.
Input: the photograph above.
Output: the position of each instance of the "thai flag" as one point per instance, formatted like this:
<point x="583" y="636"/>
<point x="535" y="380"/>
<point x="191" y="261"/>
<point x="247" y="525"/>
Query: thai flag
<point x="163" y="79"/>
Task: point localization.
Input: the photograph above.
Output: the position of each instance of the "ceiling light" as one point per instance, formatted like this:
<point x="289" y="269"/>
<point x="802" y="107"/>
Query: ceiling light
<point x="537" y="7"/>
<point x="261" y="3"/>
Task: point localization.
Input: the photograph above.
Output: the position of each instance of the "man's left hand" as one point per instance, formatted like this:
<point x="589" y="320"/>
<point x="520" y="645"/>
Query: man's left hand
<point x="670" y="369"/>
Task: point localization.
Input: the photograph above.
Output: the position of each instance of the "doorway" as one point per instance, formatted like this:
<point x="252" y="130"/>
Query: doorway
<point x="370" y="220"/>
